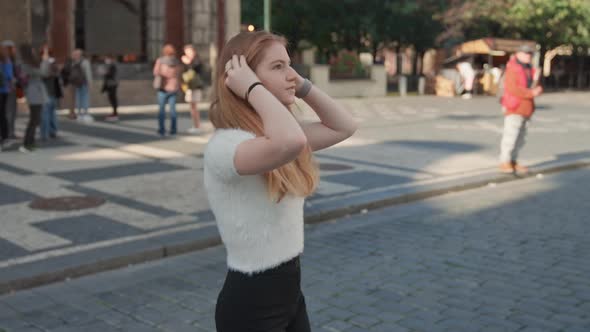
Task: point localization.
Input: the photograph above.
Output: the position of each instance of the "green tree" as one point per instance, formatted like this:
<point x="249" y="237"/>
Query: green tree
<point x="359" y="25"/>
<point x="549" y="22"/>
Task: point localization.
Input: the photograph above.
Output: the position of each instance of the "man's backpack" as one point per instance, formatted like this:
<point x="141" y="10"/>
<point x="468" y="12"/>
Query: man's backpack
<point x="76" y="77"/>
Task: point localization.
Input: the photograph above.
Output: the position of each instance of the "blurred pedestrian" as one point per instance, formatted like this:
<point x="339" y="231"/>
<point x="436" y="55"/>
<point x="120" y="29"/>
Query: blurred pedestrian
<point x="33" y="70"/>
<point x="468" y="77"/>
<point x="520" y="89"/>
<point x="6" y="86"/>
<point x="54" y="89"/>
<point x="258" y="170"/>
<point x="80" y="77"/>
<point x="167" y="71"/>
<point x="16" y="91"/>
<point x="69" y="90"/>
<point x="192" y="85"/>
<point x="110" y="84"/>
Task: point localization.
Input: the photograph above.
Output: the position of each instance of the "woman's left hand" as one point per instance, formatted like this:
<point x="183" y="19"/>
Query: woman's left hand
<point x="299" y="80"/>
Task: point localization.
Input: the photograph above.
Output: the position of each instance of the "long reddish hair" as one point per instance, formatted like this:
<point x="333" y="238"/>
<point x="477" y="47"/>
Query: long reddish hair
<point x="298" y="177"/>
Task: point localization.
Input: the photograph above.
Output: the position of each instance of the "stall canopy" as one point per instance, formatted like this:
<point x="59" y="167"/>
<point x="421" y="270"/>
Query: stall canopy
<point x="493" y="46"/>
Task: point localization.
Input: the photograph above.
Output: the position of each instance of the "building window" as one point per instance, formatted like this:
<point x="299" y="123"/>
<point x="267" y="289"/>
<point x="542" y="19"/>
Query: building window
<point x="112" y="27"/>
<point x="79" y="25"/>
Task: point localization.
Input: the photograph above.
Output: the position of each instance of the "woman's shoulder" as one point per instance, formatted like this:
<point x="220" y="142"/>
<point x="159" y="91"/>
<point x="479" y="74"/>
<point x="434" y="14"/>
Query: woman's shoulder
<point x="224" y="141"/>
<point x="226" y="136"/>
<point x="220" y="150"/>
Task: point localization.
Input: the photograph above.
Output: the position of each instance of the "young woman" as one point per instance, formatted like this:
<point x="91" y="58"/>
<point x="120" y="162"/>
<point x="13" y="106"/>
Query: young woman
<point x="258" y="171"/>
<point x="167" y="72"/>
<point x="192" y="84"/>
<point x="33" y="71"/>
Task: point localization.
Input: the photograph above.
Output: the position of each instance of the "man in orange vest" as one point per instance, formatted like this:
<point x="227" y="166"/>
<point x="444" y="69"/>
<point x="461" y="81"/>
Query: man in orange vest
<point x="520" y="89"/>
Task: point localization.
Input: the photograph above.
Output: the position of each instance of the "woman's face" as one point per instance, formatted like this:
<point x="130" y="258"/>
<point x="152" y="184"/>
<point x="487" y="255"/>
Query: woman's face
<point x="190" y="52"/>
<point x="276" y="73"/>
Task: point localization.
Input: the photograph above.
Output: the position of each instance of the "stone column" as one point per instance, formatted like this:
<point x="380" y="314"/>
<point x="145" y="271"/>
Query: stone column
<point x="60" y="28"/>
<point x="220" y="25"/>
<point x="232" y="19"/>
<point x="175" y="23"/>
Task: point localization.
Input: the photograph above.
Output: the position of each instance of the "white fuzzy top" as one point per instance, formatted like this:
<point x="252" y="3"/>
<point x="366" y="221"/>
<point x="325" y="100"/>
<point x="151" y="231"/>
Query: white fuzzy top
<point x="258" y="233"/>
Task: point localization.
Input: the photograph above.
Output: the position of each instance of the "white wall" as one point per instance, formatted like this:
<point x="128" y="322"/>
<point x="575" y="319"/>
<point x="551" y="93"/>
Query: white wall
<point x="376" y="86"/>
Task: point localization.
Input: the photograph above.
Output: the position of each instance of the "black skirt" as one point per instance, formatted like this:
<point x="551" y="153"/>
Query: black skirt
<point x="269" y="301"/>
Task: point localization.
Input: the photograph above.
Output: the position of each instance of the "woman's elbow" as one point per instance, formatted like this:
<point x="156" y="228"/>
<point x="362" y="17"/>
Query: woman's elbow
<point x="298" y="143"/>
<point x="351" y="129"/>
<point x="293" y="146"/>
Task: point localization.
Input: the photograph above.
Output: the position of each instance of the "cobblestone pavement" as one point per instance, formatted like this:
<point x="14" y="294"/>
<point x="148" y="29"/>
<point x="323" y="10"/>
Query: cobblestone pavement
<point x="152" y="187"/>
<point x="510" y="257"/>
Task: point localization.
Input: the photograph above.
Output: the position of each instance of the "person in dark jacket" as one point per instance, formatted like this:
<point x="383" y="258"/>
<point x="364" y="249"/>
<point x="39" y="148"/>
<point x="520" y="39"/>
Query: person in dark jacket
<point x="110" y="84"/>
<point x="54" y="89"/>
<point x="69" y="90"/>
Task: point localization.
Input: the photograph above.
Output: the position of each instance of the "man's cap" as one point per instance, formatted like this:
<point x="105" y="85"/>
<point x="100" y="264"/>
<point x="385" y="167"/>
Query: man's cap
<point x="525" y="48"/>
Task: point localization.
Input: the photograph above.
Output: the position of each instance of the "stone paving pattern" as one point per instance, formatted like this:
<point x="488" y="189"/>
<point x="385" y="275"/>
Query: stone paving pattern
<point x="155" y="185"/>
<point x="511" y="257"/>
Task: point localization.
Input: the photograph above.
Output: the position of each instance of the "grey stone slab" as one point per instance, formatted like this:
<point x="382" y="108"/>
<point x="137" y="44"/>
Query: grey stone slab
<point x="114" y="172"/>
<point x="364" y="321"/>
<point x="13" y="195"/>
<point x="398" y="259"/>
<point x="175" y="326"/>
<point x="206" y="215"/>
<point x="80" y="263"/>
<point x="43" y="319"/>
<point x="439" y="146"/>
<point x="14" y="169"/>
<point x="92" y="326"/>
<point x="126" y="201"/>
<point x="337" y="326"/>
<point x="54" y="143"/>
<point x="27" y="300"/>
<point x="418" y="325"/>
<point x="71" y="315"/>
<point x="366" y="179"/>
<point x="87" y="228"/>
<point x="120" y="135"/>
<point x="10" y="250"/>
<point x="372" y="164"/>
<point x="15" y="324"/>
<point x="148" y="116"/>
<point x="7" y="311"/>
<point x="116" y="318"/>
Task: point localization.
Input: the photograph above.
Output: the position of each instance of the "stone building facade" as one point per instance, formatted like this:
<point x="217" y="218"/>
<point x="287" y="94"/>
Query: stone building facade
<point x="132" y="30"/>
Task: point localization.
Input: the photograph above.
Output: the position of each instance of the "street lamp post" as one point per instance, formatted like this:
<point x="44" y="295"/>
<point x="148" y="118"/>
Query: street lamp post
<point x="267" y="15"/>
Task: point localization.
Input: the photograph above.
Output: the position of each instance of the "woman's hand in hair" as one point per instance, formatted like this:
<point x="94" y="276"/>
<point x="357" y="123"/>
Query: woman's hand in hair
<point x="239" y="76"/>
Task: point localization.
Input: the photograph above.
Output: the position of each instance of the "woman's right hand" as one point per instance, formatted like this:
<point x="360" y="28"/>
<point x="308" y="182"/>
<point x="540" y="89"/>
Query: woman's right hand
<point x="239" y="76"/>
